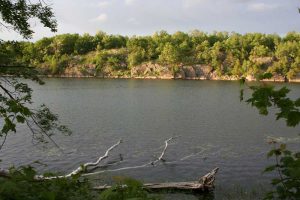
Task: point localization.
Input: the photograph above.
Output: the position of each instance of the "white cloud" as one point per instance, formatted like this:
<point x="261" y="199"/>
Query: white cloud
<point x="101" y="18"/>
<point x="261" y="7"/>
<point x="103" y="4"/>
<point x="129" y="2"/>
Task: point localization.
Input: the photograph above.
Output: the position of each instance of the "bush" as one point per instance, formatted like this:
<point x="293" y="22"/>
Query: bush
<point x="22" y="186"/>
<point x="125" y="189"/>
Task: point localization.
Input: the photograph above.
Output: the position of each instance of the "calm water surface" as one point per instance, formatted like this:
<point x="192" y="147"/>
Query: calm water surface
<point x="214" y="128"/>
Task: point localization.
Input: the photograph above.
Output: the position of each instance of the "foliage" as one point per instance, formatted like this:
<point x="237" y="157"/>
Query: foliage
<point x="14" y="109"/>
<point x="288" y="63"/>
<point x="125" y="189"/>
<point x="22" y="185"/>
<point x="85" y="44"/>
<point x="288" y="168"/>
<point x="136" y="57"/>
<point x="228" y="54"/>
<point x="287" y="185"/>
<point x="16" y="96"/>
<point x="16" y="15"/>
<point x="266" y="96"/>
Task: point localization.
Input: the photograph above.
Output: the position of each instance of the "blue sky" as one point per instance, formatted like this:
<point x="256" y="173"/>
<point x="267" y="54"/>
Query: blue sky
<point x="144" y="17"/>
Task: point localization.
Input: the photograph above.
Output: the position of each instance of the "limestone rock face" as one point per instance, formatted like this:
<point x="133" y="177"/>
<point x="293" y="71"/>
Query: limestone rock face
<point x="150" y="70"/>
<point x="203" y="71"/>
<point x="189" y="72"/>
<point x="179" y="74"/>
<point x="166" y="73"/>
<point x="80" y="71"/>
<point x="156" y="71"/>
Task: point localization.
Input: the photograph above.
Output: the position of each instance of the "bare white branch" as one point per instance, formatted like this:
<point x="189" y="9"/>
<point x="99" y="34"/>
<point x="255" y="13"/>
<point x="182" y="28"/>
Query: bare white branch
<point x="151" y="163"/>
<point x="160" y="158"/>
<point x="89" y="164"/>
<point x="83" y="167"/>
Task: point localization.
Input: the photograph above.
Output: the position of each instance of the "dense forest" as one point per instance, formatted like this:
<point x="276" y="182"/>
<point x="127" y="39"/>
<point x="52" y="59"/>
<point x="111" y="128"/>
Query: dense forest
<point x="226" y="54"/>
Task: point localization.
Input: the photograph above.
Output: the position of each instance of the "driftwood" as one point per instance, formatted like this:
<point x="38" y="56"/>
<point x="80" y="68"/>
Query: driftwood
<point x="148" y="164"/>
<point x="205" y="183"/>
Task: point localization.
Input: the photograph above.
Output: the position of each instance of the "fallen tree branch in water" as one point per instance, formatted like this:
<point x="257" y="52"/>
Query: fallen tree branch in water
<point x="90" y="164"/>
<point x="160" y="158"/>
<point x="151" y="163"/>
<point x="204" y="184"/>
<point x="83" y="168"/>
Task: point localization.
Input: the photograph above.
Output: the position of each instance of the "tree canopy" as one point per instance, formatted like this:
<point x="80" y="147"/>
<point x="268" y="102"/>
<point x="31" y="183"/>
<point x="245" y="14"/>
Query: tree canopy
<point x="227" y="54"/>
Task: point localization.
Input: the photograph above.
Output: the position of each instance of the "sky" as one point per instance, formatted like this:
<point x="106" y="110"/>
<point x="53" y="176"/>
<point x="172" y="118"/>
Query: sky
<point x="144" y="17"/>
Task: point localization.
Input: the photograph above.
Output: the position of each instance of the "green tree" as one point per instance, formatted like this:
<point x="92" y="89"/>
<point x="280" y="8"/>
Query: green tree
<point x="170" y="55"/>
<point x="259" y="51"/>
<point x="136" y="57"/>
<point x="202" y="53"/>
<point x="217" y="57"/>
<point x="288" y="59"/>
<point x="64" y="44"/>
<point x="85" y="44"/>
<point x="113" y="41"/>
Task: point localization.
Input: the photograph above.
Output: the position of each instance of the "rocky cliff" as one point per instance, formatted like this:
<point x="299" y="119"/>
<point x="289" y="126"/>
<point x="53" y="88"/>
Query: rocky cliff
<point x="157" y="71"/>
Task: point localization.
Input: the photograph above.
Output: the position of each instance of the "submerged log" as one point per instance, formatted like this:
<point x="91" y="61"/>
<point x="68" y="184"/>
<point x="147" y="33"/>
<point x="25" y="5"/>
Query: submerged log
<point x="204" y="184"/>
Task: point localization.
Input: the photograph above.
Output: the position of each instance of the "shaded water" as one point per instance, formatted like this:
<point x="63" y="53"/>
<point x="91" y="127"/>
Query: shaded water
<point x="207" y="115"/>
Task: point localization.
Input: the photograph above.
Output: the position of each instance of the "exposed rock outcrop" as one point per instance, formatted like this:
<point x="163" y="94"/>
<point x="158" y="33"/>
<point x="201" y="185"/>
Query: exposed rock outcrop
<point x="152" y="70"/>
<point x="157" y="71"/>
<point x="75" y="71"/>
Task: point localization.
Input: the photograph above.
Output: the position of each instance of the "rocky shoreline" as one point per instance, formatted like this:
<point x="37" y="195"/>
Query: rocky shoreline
<point x="156" y="71"/>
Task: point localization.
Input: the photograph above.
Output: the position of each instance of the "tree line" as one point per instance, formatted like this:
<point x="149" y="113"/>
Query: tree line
<point x="227" y="53"/>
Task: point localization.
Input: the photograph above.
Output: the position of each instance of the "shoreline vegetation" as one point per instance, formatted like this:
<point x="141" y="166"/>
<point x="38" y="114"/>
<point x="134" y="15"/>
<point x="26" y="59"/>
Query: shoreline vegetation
<point x="193" y="56"/>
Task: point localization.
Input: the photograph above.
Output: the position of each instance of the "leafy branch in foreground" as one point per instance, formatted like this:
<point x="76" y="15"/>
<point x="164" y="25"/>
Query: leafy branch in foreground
<point x="22" y="186"/>
<point x="126" y="188"/>
<point x="288" y="168"/>
<point x="287" y="163"/>
<point x="16" y="15"/>
<point x="15" y="101"/>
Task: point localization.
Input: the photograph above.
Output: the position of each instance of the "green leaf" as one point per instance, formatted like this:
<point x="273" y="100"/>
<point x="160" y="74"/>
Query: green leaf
<point x="276" y="181"/>
<point x="270" y="168"/>
<point x="282" y="147"/>
<point x="271" y="153"/>
<point x="20" y="119"/>
<point x="293" y="118"/>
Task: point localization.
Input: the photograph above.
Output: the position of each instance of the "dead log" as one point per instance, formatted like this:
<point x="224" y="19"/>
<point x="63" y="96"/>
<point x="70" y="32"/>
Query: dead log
<point x="204" y="184"/>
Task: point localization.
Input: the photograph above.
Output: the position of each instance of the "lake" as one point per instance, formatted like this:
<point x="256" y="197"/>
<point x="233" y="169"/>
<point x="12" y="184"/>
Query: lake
<point x="215" y="129"/>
